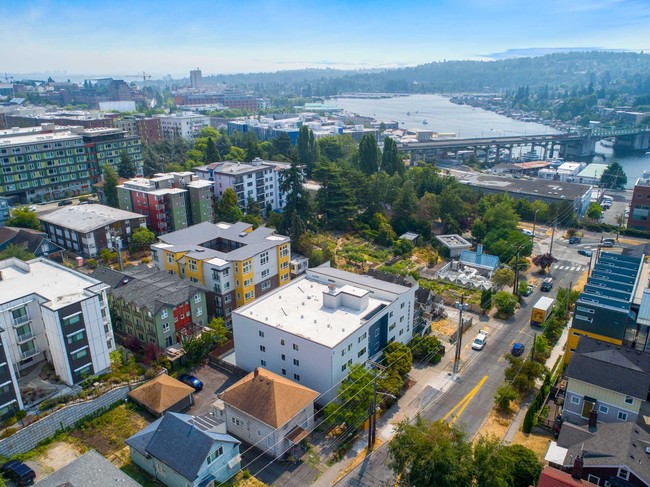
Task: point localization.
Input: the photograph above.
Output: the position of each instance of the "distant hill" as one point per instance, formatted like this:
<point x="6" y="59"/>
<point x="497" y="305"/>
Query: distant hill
<point x="556" y="70"/>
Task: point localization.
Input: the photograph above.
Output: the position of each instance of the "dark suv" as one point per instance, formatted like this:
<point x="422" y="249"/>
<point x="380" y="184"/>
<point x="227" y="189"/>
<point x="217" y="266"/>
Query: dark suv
<point x="547" y="285"/>
<point x="18" y="472"/>
<point x="575" y="240"/>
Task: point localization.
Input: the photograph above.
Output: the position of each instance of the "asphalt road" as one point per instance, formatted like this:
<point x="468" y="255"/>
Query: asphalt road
<point x="488" y="362"/>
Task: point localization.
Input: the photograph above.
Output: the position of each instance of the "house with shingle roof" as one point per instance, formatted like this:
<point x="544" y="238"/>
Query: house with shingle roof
<point x="614" y="454"/>
<point x="609" y="378"/>
<point x="163" y="394"/>
<point x="268" y="411"/>
<point x="180" y="450"/>
<point x="154" y="306"/>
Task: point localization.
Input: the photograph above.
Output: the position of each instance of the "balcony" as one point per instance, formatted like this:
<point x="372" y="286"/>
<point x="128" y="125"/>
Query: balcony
<point x="21" y="320"/>
<point x="29" y="353"/>
<point x="26" y="337"/>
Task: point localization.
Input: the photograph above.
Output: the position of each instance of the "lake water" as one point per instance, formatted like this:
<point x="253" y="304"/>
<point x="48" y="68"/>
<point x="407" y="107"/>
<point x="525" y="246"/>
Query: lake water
<point x="466" y="121"/>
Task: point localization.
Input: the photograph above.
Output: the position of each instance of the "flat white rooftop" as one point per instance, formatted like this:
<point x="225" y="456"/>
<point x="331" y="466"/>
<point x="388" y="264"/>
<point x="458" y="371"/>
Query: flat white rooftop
<point x="59" y="285"/>
<point x="297" y="308"/>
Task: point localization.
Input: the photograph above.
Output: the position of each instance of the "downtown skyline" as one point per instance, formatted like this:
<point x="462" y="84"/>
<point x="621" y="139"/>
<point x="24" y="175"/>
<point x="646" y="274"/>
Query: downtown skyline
<point x="161" y="38"/>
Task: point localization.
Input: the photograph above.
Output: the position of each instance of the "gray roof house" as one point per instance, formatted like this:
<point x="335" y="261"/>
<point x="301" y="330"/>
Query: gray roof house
<point x="614" y="454"/>
<point x="181" y="450"/>
<point x="608" y="378"/>
<point x="89" y="469"/>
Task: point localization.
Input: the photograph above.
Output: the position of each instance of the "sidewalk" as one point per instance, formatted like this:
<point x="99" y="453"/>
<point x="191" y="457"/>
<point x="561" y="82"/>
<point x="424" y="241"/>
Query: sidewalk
<point x="409" y="404"/>
<point x="518" y="420"/>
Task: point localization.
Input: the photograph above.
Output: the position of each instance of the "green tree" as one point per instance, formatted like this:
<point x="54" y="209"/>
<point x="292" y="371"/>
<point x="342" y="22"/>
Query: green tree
<point x="218" y="331"/>
<point x="141" y="239"/>
<point x="23" y="217"/>
<point x="335" y="198"/>
<point x="297" y="213"/>
<point x="426" y="347"/>
<point x="503" y="277"/>
<point x="197" y="348"/>
<point x="486" y="300"/>
<point x="307" y="149"/>
<point x="391" y="161"/>
<point x="426" y="454"/>
<point x="13" y="250"/>
<point x="406" y="203"/>
<point x="227" y="210"/>
<point x="368" y="154"/>
<point x="526" y="468"/>
<point x="613" y="177"/>
<point x="492" y="467"/>
<point x="282" y="144"/>
<point x="211" y="152"/>
<point x="594" y="211"/>
<point x="126" y="167"/>
<point x="385" y="233"/>
<point x="506" y="303"/>
<point x="501" y="216"/>
<point x="506" y="243"/>
<point x="110" y="186"/>
<point x="353" y="401"/>
<point x="522" y="373"/>
<point x="236" y="154"/>
<point x="398" y="358"/>
<point x="504" y="396"/>
<point x="479" y="231"/>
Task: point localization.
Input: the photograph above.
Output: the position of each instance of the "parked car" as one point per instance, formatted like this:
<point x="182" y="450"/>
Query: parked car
<point x="528" y="233"/>
<point x="547" y="284"/>
<point x="607" y="243"/>
<point x="586" y="253"/>
<point x="17" y="471"/>
<point x="529" y="290"/>
<point x="575" y="240"/>
<point x="518" y="349"/>
<point x="191" y="381"/>
<point x="65" y="203"/>
<point x="479" y="341"/>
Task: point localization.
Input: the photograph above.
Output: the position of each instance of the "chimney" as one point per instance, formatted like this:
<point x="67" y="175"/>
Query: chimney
<point x="256" y="372"/>
<point x="479" y="249"/>
<point x="331" y="287"/>
<point x="576" y="471"/>
<point x="593" y="418"/>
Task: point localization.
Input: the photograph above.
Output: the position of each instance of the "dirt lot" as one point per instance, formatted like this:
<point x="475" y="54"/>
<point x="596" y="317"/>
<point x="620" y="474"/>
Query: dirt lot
<point x="58" y="455"/>
<point x="537" y="443"/>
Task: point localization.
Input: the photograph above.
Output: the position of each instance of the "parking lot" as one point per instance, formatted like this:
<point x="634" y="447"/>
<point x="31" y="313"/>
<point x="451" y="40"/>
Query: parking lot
<point x="214" y="382"/>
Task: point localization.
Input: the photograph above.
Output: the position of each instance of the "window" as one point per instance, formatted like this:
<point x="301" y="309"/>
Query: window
<point x="343" y="352"/>
<point x="284" y="265"/>
<point x="76" y="337"/>
<point x="296" y="362"/>
<point x="170" y="258"/>
<point x="284" y="251"/>
<point x="282" y="341"/>
<point x="283" y="357"/>
<point x="593" y="479"/>
<point x="248" y="282"/>
<point x="401" y="332"/>
<point x="285" y="277"/>
<point x="363" y="337"/>
<point x="575" y="400"/>
<point x="226" y="298"/>
<point x="392" y="326"/>
<point x="197" y="298"/>
<point x="72" y="320"/>
<point x="295" y="347"/>
<point x="191" y="264"/>
<point x="199" y="311"/>
<point x="603" y="409"/>
<point x="623" y="473"/>
<point x="265" y="273"/>
<point x="284" y="371"/>
<point x="622" y="416"/>
<point x="361" y="352"/>
<point x="165" y="327"/>
<point x="249" y="295"/>
<point x="80" y="354"/>
<point x="629" y="400"/>
<point x="401" y="306"/>
<point x="260" y="333"/>
<point x="247" y="267"/>
<point x="266" y="285"/>
<point x="262" y="348"/>
<point x="343" y="367"/>
<point x="236" y="421"/>
<point x="215" y="454"/>
<point x="296" y="377"/>
<point x="264" y="258"/>
<point x="263" y="362"/>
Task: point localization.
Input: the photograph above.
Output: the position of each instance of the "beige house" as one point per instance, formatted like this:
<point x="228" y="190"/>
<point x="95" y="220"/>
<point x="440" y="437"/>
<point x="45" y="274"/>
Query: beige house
<point x="268" y="411"/>
<point x="163" y="394"/>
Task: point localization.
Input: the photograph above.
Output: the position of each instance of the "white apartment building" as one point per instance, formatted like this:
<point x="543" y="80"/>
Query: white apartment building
<point x="51" y="313"/>
<point x="259" y="180"/>
<point x="186" y="126"/>
<point x="315" y="328"/>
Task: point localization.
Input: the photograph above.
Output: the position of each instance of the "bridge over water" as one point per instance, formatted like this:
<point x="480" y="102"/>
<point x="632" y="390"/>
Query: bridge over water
<point x="577" y="144"/>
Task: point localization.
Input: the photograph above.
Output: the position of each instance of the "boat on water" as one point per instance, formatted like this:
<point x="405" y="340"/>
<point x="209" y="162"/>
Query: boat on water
<point x="408" y="113"/>
<point x="609" y="143"/>
<point x="531" y="156"/>
<point x="424" y="122"/>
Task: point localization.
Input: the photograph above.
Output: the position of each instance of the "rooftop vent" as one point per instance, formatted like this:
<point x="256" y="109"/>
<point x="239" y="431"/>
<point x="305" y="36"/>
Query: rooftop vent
<point x="243" y="234"/>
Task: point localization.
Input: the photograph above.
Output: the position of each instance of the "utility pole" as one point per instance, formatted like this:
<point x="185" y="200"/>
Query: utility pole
<point x="516" y="282"/>
<point x="460" y="306"/>
<point x="372" y="418"/>
<point x="534" y="223"/>
<point x="568" y="298"/>
<point x="117" y="245"/>
<point x="550" y="250"/>
<point x="532" y="352"/>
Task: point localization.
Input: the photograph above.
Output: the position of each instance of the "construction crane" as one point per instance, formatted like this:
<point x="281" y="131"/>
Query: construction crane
<point x="142" y="75"/>
<point x="8" y="78"/>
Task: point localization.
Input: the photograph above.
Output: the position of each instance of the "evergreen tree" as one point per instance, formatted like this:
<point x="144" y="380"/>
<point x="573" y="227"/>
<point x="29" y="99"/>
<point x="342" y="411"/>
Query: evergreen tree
<point x="211" y="152"/>
<point x="335" y="199"/>
<point x="406" y="203"/>
<point x="110" y="186"/>
<point x="307" y="149"/>
<point x="368" y="154"/>
<point x="613" y="177"/>
<point x="23" y="217"/>
<point x="296" y="216"/>
<point x="227" y="210"/>
<point x="282" y="144"/>
<point x="391" y="161"/>
<point x="126" y="166"/>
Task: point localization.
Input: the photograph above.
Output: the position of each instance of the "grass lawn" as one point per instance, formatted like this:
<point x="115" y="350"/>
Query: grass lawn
<point x="107" y="433"/>
<point x="140" y="476"/>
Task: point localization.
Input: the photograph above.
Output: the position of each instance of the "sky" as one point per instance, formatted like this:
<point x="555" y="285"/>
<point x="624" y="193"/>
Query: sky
<point x="103" y="37"/>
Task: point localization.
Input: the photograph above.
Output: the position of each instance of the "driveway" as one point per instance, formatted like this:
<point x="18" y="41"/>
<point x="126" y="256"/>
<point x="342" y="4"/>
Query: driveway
<point x="214" y="382"/>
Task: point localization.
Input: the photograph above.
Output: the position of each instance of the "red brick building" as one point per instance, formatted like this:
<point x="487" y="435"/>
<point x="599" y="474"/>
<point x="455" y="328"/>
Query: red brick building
<point x="640" y="204"/>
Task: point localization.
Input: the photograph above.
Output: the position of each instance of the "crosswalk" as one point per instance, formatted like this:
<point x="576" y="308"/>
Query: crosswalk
<point x="569" y="268"/>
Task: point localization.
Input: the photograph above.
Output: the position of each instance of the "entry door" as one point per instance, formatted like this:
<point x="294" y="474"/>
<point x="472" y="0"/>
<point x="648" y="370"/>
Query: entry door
<point x="587" y="406"/>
